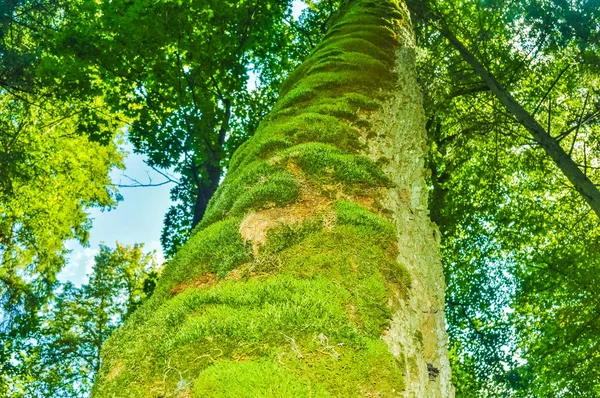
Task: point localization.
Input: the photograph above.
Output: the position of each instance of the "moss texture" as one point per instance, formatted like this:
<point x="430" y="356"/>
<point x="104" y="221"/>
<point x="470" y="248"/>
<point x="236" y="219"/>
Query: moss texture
<point x="302" y="313"/>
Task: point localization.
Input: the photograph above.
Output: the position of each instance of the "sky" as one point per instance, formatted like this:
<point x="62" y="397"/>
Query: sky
<point x="136" y="219"/>
<point x="297" y="8"/>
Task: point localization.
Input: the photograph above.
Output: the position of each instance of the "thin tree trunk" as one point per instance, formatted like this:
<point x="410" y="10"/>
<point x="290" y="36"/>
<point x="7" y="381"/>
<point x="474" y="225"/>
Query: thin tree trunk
<point x="208" y="186"/>
<point x="205" y="191"/>
<point x="315" y="271"/>
<point x="582" y="184"/>
<point x="588" y="190"/>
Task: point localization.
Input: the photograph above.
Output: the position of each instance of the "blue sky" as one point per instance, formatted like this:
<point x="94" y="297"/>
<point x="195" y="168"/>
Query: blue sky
<point x="136" y="219"/>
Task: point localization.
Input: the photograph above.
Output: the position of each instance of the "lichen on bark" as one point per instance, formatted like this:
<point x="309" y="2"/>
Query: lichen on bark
<point x="300" y="280"/>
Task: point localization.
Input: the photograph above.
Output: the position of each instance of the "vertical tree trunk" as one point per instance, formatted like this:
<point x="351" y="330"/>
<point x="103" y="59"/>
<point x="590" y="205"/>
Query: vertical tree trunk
<point x="315" y="271"/>
<point x="205" y="190"/>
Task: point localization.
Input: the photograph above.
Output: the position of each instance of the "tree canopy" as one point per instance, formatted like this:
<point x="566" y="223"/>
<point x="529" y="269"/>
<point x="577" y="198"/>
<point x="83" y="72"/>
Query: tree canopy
<point x="512" y="96"/>
<point x="61" y="357"/>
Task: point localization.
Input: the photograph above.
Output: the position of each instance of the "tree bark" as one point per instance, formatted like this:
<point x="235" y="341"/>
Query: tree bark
<point x="208" y="186"/>
<point x="206" y="189"/>
<point x="315" y="270"/>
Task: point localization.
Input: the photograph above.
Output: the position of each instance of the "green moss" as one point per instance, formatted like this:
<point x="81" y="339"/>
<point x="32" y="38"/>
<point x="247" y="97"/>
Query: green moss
<point x="261" y="147"/>
<point x="344" y="372"/>
<point x="359" y="42"/>
<point x="253" y="379"/>
<point x="278" y="189"/>
<point x="360" y="270"/>
<point x="380" y="35"/>
<point x="219" y="248"/>
<point x="348" y="43"/>
<point x="326" y="163"/>
<point x="304" y="316"/>
<point x="298" y="95"/>
<point x="327" y="81"/>
<point x="234" y="315"/>
<point x="257" y="185"/>
<point x="361" y="101"/>
<point x="351" y="61"/>
<point x="361" y="31"/>
<point x="413" y="366"/>
<point x="352" y="213"/>
<point x="376" y="227"/>
<point x="315" y="127"/>
<point x="419" y="337"/>
<point x="326" y="285"/>
<point x="286" y="236"/>
<point x="248" y="319"/>
<point x="335" y="108"/>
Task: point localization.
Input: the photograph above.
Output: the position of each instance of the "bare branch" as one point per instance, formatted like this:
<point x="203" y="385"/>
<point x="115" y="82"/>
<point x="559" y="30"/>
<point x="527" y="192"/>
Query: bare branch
<point x="294" y="25"/>
<point x="562" y="72"/>
<point x="579" y="122"/>
<point x="141" y="185"/>
<point x="588" y="118"/>
<point x="168" y="176"/>
<point x="169" y="179"/>
<point x="472" y="90"/>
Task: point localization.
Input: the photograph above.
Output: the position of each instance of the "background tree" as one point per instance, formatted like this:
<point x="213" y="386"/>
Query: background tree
<point x="193" y="77"/>
<point x="519" y="241"/>
<point x="51" y="175"/>
<point x="54" y="163"/>
<point x="20" y="21"/>
<point x="63" y="355"/>
<point x="54" y="167"/>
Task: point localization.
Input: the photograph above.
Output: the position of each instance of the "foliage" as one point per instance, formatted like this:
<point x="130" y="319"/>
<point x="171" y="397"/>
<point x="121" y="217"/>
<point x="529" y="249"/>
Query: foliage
<point x="63" y="355"/>
<point x="55" y="156"/>
<point x="194" y="78"/>
<point x="50" y="176"/>
<point x="20" y="23"/>
<point x="519" y="243"/>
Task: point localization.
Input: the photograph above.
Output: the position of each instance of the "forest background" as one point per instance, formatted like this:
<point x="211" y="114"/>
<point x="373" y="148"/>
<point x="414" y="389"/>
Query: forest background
<point x="519" y="233"/>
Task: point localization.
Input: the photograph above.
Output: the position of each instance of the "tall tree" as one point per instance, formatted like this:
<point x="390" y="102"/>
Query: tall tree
<point x="315" y="270"/>
<point x="55" y="161"/>
<point x="51" y="175"/>
<point x="194" y="78"/>
<point x="577" y="46"/>
<point x="55" y="158"/>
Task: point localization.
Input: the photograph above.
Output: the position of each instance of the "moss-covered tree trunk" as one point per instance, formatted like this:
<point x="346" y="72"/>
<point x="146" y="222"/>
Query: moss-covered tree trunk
<point x="315" y="271"/>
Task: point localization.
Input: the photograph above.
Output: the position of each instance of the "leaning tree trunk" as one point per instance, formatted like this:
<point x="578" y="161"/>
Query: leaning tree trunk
<point x="316" y="270"/>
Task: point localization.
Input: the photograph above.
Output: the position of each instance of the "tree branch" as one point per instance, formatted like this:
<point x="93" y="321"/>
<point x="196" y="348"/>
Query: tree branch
<point x="137" y="184"/>
<point x="590" y="116"/>
<point x="562" y="72"/>
<point x="565" y="163"/>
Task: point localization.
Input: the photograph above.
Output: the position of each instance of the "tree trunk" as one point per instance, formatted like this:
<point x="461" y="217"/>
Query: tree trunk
<point x="208" y="184"/>
<point x="206" y="189"/>
<point x="315" y="270"/>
